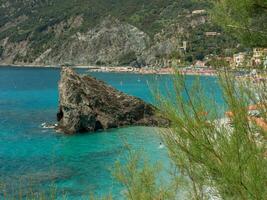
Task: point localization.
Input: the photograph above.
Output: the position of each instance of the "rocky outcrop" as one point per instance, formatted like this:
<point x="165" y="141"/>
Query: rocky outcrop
<point x="112" y="42"/>
<point x="110" y="33"/>
<point x="87" y="104"/>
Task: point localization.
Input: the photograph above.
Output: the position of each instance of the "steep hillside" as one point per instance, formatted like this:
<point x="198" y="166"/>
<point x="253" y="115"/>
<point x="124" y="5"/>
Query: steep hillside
<point x="105" y="32"/>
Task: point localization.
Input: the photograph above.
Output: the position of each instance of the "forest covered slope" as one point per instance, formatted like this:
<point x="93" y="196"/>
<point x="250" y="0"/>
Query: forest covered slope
<point x="107" y="32"/>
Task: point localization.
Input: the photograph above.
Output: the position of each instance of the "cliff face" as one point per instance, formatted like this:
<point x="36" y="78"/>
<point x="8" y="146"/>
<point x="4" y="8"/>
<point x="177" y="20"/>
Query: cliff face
<point x="110" y="43"/>
<point x="104" y="32"/>
<point x="87" y="104"/>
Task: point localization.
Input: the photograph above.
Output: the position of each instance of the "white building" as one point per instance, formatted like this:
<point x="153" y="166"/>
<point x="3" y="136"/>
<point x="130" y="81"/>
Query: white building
<point x="239" y="59"/>
<point x="212" y="34"/>
<point x="196" y="12"/>
<point x="265" y="63"/>
<point x="258" y="56"/>
<point x="259" y="52"/>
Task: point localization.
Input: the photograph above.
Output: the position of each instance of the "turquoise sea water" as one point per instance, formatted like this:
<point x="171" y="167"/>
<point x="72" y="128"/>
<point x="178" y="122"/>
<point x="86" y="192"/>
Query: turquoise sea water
<point x="76" y="165"/>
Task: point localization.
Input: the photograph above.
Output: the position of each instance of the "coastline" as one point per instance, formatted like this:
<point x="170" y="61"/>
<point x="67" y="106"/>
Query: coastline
<point x="125" y="69"/>
<point x="41" y="66"/>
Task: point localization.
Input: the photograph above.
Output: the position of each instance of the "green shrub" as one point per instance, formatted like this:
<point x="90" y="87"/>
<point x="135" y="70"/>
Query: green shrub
<point x="1" y="50"/>
<point x="212" y="158"/>
<point x="127" y="58"/>
<point x="218" y="158"/>
<point x="141" y="179"/>
<point x="19" y="37"/>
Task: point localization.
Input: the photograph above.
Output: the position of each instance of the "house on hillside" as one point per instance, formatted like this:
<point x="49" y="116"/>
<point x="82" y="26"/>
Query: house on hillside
<point x="200" y="64"/>
<point x="229" y="60"/>
<point x="218" y="61"/>
<point x="258" y="56"/>
<point x="208" y="34"/>
<point x="197" y="12"/>
<point x="239" y="59"/>
<point x="184" y="47"/>
<point x="265" y="63"/>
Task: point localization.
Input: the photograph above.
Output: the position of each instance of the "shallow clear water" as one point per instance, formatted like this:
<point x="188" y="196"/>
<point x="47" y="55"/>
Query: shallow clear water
<point x="76" y="165"/>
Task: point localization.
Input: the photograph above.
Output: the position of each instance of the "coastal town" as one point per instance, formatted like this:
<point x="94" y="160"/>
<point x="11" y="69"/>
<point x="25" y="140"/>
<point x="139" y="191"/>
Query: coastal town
<point x="209" y="66"/>
<point x="250" y="64"/>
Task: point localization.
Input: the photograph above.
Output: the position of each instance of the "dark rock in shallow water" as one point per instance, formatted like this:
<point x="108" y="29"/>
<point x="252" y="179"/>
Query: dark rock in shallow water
<point x="87" y="104"/>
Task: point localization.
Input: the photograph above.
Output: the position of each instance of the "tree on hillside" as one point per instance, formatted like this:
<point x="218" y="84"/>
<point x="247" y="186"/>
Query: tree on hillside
<point x="245" y="19"/>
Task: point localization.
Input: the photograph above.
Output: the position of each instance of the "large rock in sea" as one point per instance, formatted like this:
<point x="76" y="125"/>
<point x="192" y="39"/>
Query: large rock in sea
<point x="87" y="104"/>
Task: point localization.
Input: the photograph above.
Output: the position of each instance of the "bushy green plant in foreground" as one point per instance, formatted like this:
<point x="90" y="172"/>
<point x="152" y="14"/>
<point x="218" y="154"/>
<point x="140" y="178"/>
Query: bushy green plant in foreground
<point x="29" y="194"/>
<point x="141" y="179"/>
<point x="217" y="157"/>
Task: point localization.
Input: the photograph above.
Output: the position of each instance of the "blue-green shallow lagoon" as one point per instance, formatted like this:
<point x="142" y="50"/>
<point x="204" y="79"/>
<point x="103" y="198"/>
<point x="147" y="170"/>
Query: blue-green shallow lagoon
<point x="76" y="165"/>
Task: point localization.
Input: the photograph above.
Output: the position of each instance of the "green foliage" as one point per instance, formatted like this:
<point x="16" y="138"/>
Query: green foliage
<point x="1" y="50"/>
<point x="215" y="158"/>
<point x="127" y="58"/>
<point x="201" y="45"/>
<point x="19" y="37"/>
<point x="141" y="179"/>
<point x="43" y="14"/>
<point x="218" y="63"/>
<point x="175" y="55"/>
<point x="245" y="19"/>
<point x="30" y="194"/>
<point x="93" y="197"/>
<point x="223" y="159"/>
<point x="148" y="15"/>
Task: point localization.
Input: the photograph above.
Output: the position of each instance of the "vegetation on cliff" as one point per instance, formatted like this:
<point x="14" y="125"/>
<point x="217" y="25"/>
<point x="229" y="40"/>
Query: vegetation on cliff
<point x="51" y="31"/>
<point x="244" y="19"/>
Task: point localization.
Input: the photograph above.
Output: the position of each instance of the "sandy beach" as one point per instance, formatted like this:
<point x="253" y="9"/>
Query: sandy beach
<point x="127" y="69"/>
